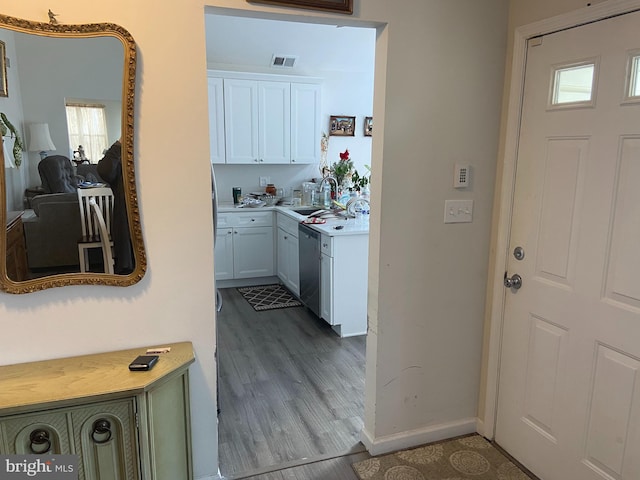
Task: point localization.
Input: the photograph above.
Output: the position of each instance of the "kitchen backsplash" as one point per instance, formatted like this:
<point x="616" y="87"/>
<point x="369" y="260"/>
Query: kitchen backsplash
<point x="247" y="177"/>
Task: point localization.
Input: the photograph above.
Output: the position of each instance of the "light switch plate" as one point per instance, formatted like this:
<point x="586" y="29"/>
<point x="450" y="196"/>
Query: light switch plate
<point x="264" y="181"/>
<point x="458" y="211"/>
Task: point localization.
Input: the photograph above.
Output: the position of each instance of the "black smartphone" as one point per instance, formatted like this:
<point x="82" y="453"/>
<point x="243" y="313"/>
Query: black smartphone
<point x="143" y="362"/>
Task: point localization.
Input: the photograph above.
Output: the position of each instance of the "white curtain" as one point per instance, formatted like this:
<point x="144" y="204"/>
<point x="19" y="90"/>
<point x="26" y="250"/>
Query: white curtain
<point x="87" y="127"/>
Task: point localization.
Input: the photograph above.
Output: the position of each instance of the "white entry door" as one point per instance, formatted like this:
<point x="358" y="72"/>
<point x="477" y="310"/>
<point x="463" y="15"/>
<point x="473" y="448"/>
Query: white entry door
<point x="569" y="387"/>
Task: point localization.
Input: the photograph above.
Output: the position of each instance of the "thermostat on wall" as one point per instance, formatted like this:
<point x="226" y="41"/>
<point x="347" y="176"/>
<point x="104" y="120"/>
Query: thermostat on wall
<point x="462" y="175"/>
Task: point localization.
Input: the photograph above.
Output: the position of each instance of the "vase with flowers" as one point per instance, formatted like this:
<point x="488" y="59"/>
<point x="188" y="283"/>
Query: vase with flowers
<point x="343" y="170"/>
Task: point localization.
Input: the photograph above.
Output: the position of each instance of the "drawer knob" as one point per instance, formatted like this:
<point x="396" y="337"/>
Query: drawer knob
<point x="101" y="431"/>
<point x="40" y="442"/>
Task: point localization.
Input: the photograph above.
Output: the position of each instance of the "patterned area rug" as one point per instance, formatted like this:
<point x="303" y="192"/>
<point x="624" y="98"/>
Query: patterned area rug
<point x="269" y="297"/>
<point x="464" y="458"/>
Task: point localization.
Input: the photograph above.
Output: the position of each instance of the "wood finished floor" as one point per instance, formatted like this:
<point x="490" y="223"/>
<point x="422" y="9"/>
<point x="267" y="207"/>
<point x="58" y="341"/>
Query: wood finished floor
<point x="290" y="391"/>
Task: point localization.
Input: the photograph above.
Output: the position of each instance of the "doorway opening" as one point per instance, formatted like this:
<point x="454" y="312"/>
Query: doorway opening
<point x="290" y="390"/>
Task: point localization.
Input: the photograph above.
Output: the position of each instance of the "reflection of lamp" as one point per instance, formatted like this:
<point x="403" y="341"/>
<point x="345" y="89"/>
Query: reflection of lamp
<point x="40" y="139"/>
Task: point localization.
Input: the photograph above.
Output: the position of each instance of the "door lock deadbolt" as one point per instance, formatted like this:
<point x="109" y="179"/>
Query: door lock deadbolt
<point x="518" y="252"/>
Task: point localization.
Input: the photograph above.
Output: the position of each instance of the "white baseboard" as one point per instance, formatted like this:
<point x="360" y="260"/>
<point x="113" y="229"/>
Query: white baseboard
<point x="414" y="438"/>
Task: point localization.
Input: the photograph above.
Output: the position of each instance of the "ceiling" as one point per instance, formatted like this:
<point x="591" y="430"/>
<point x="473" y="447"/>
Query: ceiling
<point x="250" y="43"/>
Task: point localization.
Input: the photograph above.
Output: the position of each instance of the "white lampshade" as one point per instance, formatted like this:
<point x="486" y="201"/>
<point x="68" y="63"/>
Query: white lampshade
<point x="40" y="139"/>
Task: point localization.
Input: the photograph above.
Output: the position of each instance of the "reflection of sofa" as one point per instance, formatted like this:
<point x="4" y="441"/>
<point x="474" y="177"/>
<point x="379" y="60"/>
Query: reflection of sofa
<point x="52" y="233"/>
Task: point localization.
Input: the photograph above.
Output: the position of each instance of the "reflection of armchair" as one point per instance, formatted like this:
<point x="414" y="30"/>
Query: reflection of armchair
<point x="57" y="175"/>
<point x="52" y="233"/>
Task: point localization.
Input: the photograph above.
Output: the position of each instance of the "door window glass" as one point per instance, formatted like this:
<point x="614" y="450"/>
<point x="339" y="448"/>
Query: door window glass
<point x="573" y="84"/>
<point x="634" y="81"/>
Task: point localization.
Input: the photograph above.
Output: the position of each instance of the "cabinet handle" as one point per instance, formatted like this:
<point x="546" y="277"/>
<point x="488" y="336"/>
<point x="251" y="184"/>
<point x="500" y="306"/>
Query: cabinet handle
<point x="253" y="219"/>
<point x="286" y="238"/>
<point x="39" y="437"/>
<point x="255" y="160"/>
<point x="101" y="427"/>
<point x="293" y="160"/>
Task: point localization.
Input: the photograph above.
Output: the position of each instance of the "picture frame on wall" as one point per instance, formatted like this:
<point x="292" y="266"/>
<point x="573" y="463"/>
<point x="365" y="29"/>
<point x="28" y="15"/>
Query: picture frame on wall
<point x="368" y="126"/>
<point x="338" y="6"/>
<point x="342" y="125"/>
<point x="4" y="91"/>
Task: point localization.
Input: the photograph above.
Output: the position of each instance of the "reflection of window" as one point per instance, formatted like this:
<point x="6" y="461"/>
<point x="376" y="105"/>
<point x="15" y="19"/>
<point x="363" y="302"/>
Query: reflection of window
<point x="573" y="84"/>
<point x="87" y="127"/>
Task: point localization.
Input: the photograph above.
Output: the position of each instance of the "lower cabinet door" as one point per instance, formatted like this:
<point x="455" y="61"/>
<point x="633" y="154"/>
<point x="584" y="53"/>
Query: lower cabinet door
<point x="253" y="252"/>
<point x="42" y="433"/>
<point x="106" y="441"/>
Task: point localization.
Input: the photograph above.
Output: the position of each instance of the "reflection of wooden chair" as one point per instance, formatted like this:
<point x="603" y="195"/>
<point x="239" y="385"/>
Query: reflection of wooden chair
<point x="90" y="221"/>
<point x="105" y="239"/>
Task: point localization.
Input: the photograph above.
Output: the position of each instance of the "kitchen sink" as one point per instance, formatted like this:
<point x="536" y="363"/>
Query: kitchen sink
<point x="306" y="211"/>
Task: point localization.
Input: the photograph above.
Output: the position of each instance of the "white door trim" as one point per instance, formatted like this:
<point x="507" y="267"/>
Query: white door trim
<point x="495" y="308"/>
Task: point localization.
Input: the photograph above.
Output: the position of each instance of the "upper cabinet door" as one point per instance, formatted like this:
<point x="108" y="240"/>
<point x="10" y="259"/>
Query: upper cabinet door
<point x="305" y="123"/>
<point x="274" y="126"/>
<point x="216" y="121"/>
<point x="241" y="120"/>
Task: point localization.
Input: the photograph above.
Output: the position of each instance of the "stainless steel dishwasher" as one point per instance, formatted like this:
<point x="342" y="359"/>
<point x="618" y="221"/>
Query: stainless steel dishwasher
<point x="309" y="250"/>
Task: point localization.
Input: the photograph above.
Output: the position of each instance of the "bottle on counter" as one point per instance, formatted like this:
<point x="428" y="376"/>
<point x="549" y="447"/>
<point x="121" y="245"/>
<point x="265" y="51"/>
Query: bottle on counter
<point x="271" y="189"/>
<point x="325" y="195"/>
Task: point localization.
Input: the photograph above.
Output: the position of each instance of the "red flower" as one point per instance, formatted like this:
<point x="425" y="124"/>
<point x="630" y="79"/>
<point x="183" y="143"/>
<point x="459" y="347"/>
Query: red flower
<point x="344" y="156"/>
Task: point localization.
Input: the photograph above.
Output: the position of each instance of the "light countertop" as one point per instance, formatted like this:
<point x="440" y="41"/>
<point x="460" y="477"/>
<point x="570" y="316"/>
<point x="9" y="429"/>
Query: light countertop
<point x="350" y="225"/>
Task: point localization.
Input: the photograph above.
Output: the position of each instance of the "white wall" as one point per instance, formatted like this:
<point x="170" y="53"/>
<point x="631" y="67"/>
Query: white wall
<point x="11" y="106"/>
<point x="52" y="70"/>
<point x="427" y="280"/>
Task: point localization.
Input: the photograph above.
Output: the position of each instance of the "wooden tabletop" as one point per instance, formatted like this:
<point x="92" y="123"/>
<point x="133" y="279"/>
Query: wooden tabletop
<point x="87" y="378"/>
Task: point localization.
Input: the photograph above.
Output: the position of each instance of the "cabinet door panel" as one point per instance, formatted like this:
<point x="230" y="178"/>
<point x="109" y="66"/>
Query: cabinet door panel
<point x="105" y="438"/>
<point x="169" y="430"/>
<point x="223" y="254"/>
<point x="36" y="433"/>
<point x="241" y="120"/>
<point x="253" y="254"/>
<point x="326" y="288"/>
<point x="274" y="125"/>
<point x="305" y="123"/>
<point x="283" y="257"/>
<point x="216" y="120"/>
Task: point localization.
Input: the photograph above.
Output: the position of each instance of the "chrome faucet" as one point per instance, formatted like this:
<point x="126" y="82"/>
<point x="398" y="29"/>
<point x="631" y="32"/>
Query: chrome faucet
<point x="329" y="178"/>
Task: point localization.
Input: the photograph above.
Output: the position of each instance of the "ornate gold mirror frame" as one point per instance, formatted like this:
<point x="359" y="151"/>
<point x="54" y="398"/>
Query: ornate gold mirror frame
<point x="30" y="284"/>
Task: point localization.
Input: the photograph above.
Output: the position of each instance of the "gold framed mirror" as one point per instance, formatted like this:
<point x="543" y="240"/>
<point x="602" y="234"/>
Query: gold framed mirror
<point x="60" y="81"/>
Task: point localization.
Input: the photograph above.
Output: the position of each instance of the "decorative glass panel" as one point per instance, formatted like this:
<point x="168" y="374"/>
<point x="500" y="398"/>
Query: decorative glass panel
<point x="634" y="81"/>
<point x="573" y="84"/>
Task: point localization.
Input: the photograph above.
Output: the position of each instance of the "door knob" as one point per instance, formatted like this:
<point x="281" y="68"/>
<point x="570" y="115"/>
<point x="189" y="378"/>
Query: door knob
<point x="514" y="282"/>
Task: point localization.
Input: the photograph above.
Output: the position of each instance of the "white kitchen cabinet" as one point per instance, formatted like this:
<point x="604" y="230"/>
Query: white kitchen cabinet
<point x="223" y="254"/>
<point x="287" y="258"/>
<point x="253" y="253"/>
<point x="326" y="288"/>
<point x="241" y="120"/>
<point x="343" y="283"/>
<point x="257" y="121"/>
<point x="264" y="119"/>
<point x="305" y="123"/>
<point x="121" y="424"/>
<point x="244" y="245"/>
<point x="274" y="124"/>
<point x="216" y="120"/>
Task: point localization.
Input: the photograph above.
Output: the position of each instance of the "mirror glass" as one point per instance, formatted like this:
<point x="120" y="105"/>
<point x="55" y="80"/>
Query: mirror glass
<point x="66" y="115"/>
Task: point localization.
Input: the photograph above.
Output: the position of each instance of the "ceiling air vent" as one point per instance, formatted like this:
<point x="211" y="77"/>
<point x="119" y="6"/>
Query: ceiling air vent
<point x="283" y="61"/>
